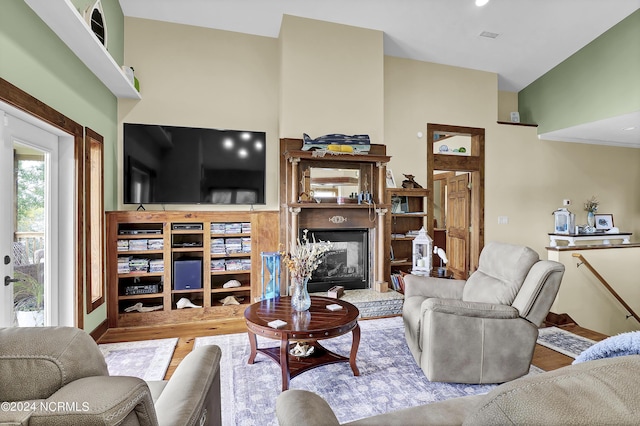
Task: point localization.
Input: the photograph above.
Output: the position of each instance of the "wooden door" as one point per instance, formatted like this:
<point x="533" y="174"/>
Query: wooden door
<point x="458" y="201"/>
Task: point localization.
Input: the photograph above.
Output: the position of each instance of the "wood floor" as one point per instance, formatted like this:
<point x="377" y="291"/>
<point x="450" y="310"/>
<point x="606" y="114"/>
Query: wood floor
<point x="543" y="357"/>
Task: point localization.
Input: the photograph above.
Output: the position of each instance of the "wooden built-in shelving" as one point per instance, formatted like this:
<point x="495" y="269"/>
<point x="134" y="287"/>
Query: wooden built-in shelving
<point x="263" y="237"/>
<point x="399" y="223"/>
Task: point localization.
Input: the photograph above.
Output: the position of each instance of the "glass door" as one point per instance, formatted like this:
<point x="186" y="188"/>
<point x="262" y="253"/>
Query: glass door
<point x="28" y="194"/>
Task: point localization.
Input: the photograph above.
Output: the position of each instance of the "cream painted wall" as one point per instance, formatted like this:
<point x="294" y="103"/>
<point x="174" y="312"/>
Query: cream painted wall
<point x="527" y="179"/>
<point x="586" y="299"/>
<point x="331" y="79"/>
<point x="192" y="76"/>
<point x="417" y="93"/>
<point x="507" y="103"/>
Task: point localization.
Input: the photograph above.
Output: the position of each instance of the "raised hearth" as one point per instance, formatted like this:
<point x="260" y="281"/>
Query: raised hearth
<point x="372" y="304"/>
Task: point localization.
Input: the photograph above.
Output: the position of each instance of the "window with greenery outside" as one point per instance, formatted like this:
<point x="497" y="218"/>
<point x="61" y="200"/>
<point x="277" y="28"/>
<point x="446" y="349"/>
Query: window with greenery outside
<point x="28" y="293"/>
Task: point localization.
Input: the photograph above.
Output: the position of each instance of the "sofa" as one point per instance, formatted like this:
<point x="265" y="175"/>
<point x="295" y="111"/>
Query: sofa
<point x="484" y="329"/>
<point x="600" y="392"/>
<point x="58" y="376"/>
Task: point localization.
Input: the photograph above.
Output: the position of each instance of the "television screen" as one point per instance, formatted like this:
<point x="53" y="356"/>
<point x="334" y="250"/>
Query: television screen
<point x="187" y="165"/>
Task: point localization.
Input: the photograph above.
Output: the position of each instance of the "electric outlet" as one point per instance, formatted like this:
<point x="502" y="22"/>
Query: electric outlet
<point x="503" y="220"/>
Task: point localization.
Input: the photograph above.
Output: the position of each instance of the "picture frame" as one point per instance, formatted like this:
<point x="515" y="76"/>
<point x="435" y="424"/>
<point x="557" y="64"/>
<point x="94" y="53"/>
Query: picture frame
<point x="391" y="182"/>
<point x="396" y="204"/>
<point x="399" y="204"/>
<point x="604" y="222"/>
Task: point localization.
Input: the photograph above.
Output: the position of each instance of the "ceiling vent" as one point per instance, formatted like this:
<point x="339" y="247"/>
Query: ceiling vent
<point x="488" y="34"/>
<point x="94" y="15"/>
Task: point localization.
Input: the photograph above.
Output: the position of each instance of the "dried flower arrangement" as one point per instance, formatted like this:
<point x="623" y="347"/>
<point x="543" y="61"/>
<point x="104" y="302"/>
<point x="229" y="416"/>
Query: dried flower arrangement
<point x="591" y="205"/>
<point x="305" y="257"/>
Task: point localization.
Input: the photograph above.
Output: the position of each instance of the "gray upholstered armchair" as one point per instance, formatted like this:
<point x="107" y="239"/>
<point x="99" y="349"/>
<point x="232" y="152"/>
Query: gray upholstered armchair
<point x="58" y="376"/>
<point x="482" y="330"/>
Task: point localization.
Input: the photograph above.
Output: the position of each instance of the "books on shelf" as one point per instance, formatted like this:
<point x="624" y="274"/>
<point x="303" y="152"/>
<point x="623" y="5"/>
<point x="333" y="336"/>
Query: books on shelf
<point x="217" y="265"/>
<point x="156" y="265"/>
<point x="230" y="227"/>
<point x="408" y="234"/>
<point x="217" y="228"/>
<point x="397" y="281"/>
<point x="140" y="244"/>
<point x="155" y="244"/>
<point x="220" y="265"/>
<point x="123" y="265"/>
<point x="217" y="246"/>
<point x="128" y="264"/>
<point x="233" y="245"/>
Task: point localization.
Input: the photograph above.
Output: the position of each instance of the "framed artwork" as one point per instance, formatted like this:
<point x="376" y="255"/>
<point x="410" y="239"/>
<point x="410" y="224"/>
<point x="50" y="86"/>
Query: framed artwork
<point x="399" y="204"/>
<point x="391" y="182"/>
<point x="604" y="222"/>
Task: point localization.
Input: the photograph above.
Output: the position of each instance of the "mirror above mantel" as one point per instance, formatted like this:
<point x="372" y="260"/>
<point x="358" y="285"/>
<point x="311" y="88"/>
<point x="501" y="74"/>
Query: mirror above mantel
<point x="325" y="183"/>
<point x="328" y="182"/>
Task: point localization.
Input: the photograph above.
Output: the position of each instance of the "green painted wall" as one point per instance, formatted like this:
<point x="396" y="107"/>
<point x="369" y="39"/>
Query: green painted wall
<point x="34" y="59"/>
<point x="599" y="81"/>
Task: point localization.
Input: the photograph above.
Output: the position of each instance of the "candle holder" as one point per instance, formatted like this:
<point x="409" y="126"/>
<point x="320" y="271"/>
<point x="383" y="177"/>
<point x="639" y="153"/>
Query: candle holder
<point x="271" y="270"/>
<point x="422" y="258"/>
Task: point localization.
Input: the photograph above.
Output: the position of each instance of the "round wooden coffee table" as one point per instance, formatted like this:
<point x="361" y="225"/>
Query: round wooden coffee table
<point x="317" y="323"/>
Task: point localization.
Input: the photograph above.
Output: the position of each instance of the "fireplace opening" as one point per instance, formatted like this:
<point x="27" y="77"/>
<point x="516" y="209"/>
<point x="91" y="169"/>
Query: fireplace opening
<point x="346" y="264"/>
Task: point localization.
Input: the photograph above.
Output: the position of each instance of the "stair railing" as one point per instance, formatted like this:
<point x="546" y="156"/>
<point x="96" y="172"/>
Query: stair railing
<point x="606" y="285"/>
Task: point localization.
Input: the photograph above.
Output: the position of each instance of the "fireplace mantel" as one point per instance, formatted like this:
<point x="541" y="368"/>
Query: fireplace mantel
<point x="297" y="155"/>
<point x="296" y="215"/>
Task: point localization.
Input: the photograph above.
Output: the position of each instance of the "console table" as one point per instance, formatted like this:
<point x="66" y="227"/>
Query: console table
<point x="596" y="236"/>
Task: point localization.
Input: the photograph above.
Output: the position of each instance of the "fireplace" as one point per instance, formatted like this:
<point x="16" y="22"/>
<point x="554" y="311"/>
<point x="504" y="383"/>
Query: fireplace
<point x="348" y="262"/>
<point x="357" y="229"/>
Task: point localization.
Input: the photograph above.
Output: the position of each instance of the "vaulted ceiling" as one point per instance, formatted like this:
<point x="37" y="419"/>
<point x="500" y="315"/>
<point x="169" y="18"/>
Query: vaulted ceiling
<point x="531" y="36"/>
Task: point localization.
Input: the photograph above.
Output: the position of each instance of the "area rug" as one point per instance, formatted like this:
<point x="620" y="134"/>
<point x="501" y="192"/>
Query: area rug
<point x="563" y="341"/>
<point x="389" y="377"/>
<point x="146" y="359"/>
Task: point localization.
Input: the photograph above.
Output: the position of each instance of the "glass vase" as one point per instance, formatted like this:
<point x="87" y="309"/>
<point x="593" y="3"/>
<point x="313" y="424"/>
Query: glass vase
<point x="300" y="299"/>
<point x="591" y="219"/>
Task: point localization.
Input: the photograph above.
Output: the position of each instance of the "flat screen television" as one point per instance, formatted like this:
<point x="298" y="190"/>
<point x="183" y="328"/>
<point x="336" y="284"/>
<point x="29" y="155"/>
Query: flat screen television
<point x="188" y="165"/>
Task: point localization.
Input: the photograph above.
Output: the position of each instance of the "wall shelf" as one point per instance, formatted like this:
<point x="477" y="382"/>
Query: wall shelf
<point x="63" y="18"/>
<point x="517" y="124"/>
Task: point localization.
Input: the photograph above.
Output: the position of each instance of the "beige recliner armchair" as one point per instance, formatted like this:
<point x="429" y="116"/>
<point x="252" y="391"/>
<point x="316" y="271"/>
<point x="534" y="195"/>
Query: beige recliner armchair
<point x="482" y="330"/>
<point x="58" y="376"/>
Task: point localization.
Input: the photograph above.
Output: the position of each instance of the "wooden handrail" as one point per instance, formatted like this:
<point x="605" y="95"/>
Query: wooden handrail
<point x="606" y="285"/>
